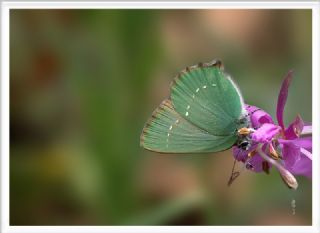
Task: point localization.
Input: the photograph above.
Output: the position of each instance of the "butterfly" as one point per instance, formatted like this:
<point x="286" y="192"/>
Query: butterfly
<point x="205" y="112"/>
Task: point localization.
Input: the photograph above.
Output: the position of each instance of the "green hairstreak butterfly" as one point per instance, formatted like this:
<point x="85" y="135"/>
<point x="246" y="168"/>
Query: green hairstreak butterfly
<point x="204" y="113"/>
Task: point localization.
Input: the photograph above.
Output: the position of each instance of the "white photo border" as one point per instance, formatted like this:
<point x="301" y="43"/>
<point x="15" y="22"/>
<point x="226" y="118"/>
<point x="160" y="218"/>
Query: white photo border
<point x="5" y="143"/>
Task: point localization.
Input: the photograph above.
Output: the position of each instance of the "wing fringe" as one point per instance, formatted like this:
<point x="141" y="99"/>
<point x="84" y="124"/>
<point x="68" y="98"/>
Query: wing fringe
<point x="167" y="103"/>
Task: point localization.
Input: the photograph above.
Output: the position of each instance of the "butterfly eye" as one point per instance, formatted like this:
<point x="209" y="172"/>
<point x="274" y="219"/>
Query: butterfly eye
<point x="244" y="144"/>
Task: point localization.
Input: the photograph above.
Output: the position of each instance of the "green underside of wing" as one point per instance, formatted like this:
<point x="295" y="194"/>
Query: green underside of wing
<point x="168" y="132"/>
<point x="208" y="99"/>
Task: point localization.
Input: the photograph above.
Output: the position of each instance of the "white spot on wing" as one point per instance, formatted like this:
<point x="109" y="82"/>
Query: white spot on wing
<point x="214" y="85"/>
<point x="170" y="127"/>
<point x="204" y="87"/>
<point x="188" y="107"/>
<point x="187" y="113"/>
<point x="168" y="134"/>
<point x="197" y="89"/>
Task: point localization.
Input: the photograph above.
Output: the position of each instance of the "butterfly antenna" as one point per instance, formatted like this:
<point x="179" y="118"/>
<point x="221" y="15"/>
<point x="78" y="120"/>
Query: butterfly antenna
<point x="234" y="174"/>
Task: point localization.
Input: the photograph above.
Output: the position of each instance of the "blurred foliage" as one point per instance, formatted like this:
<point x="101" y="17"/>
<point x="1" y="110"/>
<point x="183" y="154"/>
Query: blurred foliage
<point x="82" y="85"/>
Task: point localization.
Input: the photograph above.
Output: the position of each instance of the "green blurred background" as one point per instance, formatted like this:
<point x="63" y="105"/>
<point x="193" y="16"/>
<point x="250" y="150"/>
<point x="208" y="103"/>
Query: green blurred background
<point x="84" y="82"/>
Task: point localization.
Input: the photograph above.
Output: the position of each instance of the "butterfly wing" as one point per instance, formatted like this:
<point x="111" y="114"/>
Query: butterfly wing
<point x="208" y="98"/>
<point x="168" y="132"/>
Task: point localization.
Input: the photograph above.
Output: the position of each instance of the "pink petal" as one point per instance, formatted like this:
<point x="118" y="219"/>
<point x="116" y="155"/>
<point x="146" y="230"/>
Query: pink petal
<point x="255" y="162"/>
<point x="282" y="98"/>
<point x="290" y="152"/>
<point x="302" y="167"/>
<point x="305" y="142"/>
<point x="295" y="128"/>
<point x="265" y="133"/>
<point x="306" y="153"/>
<point x="258" y="116"/>
<point x="240" y="154"/>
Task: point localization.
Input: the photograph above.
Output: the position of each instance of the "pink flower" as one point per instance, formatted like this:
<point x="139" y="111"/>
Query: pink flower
<point x="289" y="149"/>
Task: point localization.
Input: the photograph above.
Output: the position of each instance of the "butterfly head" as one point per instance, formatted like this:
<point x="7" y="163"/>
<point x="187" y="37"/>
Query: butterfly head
<point x="244" y="143"/>
<point x="244" y="140"/>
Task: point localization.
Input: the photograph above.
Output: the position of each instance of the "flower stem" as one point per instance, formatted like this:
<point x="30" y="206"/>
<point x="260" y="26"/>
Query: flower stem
<point x="285" y="174"/>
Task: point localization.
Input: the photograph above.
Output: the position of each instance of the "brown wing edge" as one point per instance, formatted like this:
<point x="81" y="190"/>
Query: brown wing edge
<point x="167" y="103"/>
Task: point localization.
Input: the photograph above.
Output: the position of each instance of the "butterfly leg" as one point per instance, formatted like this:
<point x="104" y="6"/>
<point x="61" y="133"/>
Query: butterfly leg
<point x="234" y="174"/>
